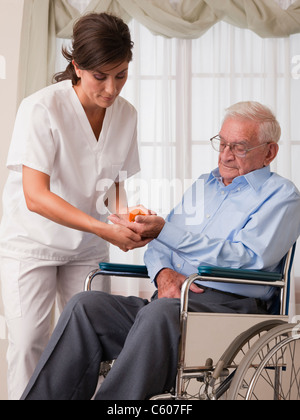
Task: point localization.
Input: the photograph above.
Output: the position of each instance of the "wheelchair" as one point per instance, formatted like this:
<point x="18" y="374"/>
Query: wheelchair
<point x="261" y="360"/>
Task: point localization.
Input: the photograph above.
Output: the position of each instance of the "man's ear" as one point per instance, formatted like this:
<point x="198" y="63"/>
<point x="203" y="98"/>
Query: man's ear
<point x="272" y="153"/>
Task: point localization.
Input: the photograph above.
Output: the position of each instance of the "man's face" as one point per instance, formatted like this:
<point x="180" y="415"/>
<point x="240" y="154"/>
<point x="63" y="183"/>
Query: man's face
<point x="242" y="131"/>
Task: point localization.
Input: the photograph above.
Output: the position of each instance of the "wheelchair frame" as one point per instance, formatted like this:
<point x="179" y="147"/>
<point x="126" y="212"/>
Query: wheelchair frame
<point x="217" y="379"/>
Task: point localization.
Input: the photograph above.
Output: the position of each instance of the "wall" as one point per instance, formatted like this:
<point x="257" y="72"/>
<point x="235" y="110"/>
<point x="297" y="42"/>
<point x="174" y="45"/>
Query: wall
<point x="11" y="12"/>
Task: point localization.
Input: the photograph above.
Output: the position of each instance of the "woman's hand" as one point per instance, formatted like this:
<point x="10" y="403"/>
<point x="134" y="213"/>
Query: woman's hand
<point x="145" y="226"/>
<point x="122" y="237"/>
<point x="140" y="223"/>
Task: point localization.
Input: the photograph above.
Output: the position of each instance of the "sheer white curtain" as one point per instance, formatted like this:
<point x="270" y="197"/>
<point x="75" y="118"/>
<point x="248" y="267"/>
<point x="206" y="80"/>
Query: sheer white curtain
<point x="181" y="88"/>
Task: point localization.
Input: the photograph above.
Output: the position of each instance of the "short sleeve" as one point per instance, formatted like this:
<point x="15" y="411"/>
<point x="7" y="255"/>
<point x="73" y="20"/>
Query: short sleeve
<point x="32" y="141"/>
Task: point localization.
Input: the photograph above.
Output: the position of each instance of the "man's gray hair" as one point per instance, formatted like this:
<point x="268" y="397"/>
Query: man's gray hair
<point x="269" y="127"/>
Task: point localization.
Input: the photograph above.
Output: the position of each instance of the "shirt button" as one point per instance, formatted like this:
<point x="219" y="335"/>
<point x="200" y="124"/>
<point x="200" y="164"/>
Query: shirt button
<point x="223" y="192"/>
<point x="208" y="216"/>
<point x="178" y="265"/>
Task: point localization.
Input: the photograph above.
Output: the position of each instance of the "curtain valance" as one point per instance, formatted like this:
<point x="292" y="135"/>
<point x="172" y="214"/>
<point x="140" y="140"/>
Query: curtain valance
<point x="45" y="20"/>
<point x="190" y="18"/>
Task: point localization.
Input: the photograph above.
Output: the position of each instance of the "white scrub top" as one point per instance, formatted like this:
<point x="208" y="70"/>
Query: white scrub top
<point x="53" y="135"/>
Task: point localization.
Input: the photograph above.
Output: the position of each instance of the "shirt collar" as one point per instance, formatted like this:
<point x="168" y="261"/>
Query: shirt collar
<point x="255" y="179"/>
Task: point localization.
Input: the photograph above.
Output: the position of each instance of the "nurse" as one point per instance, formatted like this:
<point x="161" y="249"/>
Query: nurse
<point x="73" y="146"/>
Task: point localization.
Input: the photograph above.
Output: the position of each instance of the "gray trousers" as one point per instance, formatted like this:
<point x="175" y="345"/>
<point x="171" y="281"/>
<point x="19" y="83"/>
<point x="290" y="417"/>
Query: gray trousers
<point x="143" y="336"/>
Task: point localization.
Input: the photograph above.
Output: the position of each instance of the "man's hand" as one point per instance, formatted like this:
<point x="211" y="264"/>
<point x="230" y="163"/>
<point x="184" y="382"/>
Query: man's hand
<point x="169" y="284"/>
<point x="148" y="227"/>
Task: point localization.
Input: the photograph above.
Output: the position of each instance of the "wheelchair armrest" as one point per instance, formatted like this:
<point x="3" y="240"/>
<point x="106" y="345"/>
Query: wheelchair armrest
<point x="228" y="275"/>
<point x="119" y="270"/>
<point x="231" y="273"/>
<point x="124" y="270"/>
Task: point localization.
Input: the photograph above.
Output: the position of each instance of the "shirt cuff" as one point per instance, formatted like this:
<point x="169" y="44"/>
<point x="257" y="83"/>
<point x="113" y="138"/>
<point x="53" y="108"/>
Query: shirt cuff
<point x="156" y="261"/>
<point x="155" y="269"/>
<point x="171" y="236"/>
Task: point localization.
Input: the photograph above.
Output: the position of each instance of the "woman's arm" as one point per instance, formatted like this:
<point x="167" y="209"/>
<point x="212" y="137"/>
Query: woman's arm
<point x="41" y="200"/>
<point x="116" y="199"/>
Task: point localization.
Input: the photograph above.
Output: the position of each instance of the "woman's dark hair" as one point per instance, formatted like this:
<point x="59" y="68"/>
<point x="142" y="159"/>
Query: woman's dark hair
<point x="98" y="40"/>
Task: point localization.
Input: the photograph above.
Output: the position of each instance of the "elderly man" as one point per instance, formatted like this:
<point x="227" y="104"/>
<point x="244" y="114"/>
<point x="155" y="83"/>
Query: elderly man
<point x="252" y="218"/>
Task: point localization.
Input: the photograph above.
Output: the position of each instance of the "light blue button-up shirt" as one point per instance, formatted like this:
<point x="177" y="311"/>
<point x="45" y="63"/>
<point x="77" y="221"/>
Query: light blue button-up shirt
<point x="250" y="224"/>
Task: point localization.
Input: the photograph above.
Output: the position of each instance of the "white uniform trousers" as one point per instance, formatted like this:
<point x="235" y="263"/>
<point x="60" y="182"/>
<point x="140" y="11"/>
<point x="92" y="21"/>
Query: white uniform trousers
<point x="29" y="290"/>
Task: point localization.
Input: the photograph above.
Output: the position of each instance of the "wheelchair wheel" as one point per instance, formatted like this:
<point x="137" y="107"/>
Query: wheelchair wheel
<point x="234" y="355"/>
<point x="271" y="368"/>
<point x="214" y="382"/>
